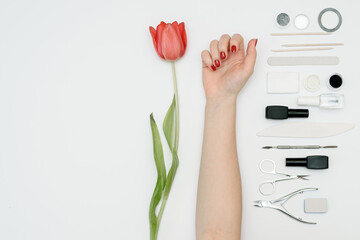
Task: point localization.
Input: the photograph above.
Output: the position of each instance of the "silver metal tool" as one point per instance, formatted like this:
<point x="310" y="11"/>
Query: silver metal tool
<point x="282" y="201"/>
<point x="299" y="147"/>
<point x="272" y="183"/>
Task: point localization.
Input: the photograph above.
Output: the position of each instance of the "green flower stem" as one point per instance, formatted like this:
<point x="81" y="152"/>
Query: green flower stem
<point x="175" y="162"/>
<point x="176" y="144"/>
<point x="161" y="212"/>
<point x="153" y="234"/>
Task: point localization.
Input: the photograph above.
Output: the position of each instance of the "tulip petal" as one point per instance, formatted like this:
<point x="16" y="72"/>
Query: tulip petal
<point x="153" y="35"/>
<point x="176" y="27"/>
<point x="183" y="36"/>
<point x="159" y="31"/>
<point x="170" y="43"/>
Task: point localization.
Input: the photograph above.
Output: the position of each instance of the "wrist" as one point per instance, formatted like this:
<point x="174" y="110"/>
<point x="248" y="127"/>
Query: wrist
<point x="223" y="102"/>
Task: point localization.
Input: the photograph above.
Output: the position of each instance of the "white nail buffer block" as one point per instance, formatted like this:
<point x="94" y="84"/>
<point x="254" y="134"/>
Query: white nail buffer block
<point x="306" y="130"/>
<point x="316" y="205"/>
<point x="293" y="61"/>
<point x="283" y="82"/>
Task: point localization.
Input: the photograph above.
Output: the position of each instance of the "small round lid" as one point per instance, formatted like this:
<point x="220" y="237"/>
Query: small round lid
<point x="335" y="82"/>
<point x="282" y="20"/>
<point x="312" y="83"/>
<point x="301" y="21"/>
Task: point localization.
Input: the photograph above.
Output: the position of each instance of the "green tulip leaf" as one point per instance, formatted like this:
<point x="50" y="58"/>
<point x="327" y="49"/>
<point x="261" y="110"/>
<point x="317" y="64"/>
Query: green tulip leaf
<point x="161" y="179"/>
<point x="168" y="125"/>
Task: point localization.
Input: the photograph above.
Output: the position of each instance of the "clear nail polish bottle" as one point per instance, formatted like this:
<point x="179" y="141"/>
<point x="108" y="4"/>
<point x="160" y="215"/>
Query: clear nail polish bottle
<point x="326" y="100"/>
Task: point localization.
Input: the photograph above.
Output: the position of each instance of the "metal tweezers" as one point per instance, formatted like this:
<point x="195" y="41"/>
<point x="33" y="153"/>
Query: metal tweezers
<point x="282" y="201"/>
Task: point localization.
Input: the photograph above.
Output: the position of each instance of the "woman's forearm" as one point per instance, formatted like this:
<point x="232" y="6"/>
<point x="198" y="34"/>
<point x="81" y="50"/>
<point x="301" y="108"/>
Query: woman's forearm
<point x="226" y="69"/>
<point x="218" y="214"/>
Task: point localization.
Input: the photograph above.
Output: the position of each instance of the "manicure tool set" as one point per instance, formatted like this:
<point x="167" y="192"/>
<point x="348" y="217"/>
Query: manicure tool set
<point x="289" y="83"/>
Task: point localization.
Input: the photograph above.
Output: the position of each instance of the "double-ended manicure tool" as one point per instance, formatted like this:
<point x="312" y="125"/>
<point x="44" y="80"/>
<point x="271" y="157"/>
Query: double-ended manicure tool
<point x="299" y="147"/>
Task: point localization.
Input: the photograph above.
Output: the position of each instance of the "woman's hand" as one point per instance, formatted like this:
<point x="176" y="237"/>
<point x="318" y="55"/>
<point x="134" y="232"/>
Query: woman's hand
<point x="226" y="68"/>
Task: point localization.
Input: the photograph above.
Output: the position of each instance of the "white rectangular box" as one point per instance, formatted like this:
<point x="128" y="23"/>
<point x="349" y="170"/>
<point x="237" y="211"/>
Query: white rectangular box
<point x="283" y="82"/>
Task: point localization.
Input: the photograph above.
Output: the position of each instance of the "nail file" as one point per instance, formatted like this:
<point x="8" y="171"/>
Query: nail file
<point x="306" y="130"/>
<point x="293" y="61"/>
<point x="283" y="82"/>
<point x="301" y="49"/>
<point x="316" y="205"/>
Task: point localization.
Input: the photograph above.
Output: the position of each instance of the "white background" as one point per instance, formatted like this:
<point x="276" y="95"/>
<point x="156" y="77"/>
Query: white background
<point x="78" y="80"/>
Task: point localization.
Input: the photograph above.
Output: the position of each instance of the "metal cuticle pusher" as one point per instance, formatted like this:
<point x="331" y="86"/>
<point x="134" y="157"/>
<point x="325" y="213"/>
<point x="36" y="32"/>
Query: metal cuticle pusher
<point x="299" y="147"/>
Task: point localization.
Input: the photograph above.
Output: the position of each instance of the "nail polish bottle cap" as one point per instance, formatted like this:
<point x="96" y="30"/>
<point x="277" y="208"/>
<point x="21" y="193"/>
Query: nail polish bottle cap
<point x="309" y="101"/>
<point x="283" y="112"/>
<point x="311" y="162"/>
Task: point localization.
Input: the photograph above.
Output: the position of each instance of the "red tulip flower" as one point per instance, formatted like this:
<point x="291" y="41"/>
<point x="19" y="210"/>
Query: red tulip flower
<point x="170" y="44"/>
<point x="169" y="40"/>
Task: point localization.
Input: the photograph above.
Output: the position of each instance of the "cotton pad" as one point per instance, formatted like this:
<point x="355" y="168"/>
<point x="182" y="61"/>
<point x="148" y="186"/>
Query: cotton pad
<point x="283" y="82"/>
<point x="316" y="205"/>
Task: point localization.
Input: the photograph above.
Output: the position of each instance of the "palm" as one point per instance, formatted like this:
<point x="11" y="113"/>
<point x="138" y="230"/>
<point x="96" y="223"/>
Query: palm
<point x="227" y="80"/>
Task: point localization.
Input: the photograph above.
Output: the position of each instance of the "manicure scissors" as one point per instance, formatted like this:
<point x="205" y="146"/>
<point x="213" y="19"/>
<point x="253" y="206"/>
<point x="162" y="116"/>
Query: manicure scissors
<point x="282" y="201"/>
<point x="274" y="172"/>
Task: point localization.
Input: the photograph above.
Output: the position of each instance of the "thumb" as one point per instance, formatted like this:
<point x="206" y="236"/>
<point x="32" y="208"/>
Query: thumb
<point x="250" y="59"/>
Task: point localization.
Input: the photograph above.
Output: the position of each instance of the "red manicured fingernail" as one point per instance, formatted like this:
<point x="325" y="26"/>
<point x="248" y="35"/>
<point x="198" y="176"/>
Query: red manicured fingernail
<point x="217" y="63"/>
<point x="222" y="55"/>
<point x="256" y="42"/>
<point x="213" y="67"/>
<point x="233" y="48"/>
